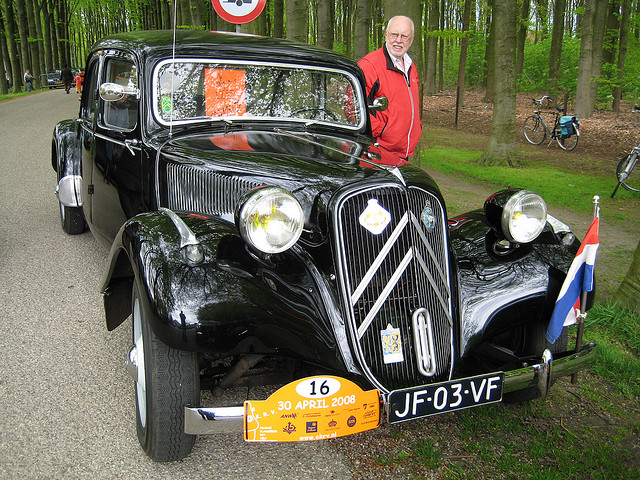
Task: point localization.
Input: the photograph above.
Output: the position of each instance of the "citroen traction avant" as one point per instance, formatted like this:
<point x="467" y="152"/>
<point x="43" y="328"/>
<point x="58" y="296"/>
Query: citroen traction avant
<point x="258" y="236"/>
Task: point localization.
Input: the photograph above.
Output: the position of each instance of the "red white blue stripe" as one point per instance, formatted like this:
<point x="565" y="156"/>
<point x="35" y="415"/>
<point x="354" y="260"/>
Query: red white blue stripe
<point x="579" y="278"/>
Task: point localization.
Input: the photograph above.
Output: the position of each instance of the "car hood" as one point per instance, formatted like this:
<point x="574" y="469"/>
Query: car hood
<point x="297" y="161"/>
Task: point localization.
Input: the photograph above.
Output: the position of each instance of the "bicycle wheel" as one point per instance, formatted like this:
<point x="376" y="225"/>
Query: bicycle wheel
<point x="627" y="177"/>
<point x="568" y="143"/>
<point x="534" y="130"/>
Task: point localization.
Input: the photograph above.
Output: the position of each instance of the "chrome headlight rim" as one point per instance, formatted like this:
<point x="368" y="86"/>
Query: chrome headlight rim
<point x="263" y="206"/>
<point x="531" y="206"/>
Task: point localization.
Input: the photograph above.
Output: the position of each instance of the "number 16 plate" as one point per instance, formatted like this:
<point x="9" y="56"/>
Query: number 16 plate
<point x="416" y="402"/>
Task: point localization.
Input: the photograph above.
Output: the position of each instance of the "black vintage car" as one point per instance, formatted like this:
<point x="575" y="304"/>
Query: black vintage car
<point x="258" y="235"/>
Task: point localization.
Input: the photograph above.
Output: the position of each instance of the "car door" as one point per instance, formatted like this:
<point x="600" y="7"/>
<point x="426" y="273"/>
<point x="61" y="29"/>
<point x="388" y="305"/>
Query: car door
<point x="116" y="179"/>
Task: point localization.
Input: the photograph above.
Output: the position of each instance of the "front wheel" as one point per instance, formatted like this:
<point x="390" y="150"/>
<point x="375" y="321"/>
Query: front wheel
<point x="532" y="340"/>
<point x="534" y="130"/>
<point x="568" y="143"/>
<point x="627" y="177"/>
<point x="166" y="381"/>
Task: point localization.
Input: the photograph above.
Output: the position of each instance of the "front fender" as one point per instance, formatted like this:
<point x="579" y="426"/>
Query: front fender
<point x="502" y="286"/>
<point x="232" y="303"/>
<point x="66" y="160"/>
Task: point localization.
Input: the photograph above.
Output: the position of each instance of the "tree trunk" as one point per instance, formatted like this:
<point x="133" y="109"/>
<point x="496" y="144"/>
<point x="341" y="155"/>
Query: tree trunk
<point x="622" y="53"/>
<point x="23" y="31"/>
<point x="298" y="20"/>
<point x="611" y="32"/>
<point x="462" y="64"/>
<point x="502" y="143"/>
<point x="593" y="25"/>
<point x="62" y="38"/>
<point x="37" y="16"/>
<point x="557" y="34"/>
<point x="48" y="40"/>
<point x="431" y="57"/>
<point x="378" y="23"/>
<point x="489" y="55"/>
<point x="185" y="12"/>
<point x="278" y="18"/>
<point x="347" y="33"/>
<point x="361" y="30"/>
<point x="3" y="66"/>
<point x="584" y="108"/>
<point x="13" y="47"/>
<point x="542" y="7"/>
<point x="523" y="29"/>
<point x="628" y="293"/>
<point x="599" y="27"/>
<point x="326" y="15"/>
<point x="34" y="46"/>
<point x="196" y="13"/>
<point x="441" y="50"/>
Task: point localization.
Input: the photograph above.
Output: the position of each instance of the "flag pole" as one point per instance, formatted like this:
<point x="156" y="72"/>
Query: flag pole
<point x="583" y="299"/>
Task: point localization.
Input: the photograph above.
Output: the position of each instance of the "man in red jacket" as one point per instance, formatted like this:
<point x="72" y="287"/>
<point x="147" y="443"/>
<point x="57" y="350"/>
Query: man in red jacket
<point x="390" y="73"/>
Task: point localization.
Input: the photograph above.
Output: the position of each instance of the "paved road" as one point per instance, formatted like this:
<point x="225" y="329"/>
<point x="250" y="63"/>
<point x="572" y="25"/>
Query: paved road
<point x="66" y="404"/>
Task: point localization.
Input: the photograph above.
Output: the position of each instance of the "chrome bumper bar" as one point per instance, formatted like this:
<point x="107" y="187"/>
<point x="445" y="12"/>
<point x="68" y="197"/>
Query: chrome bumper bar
<point x="549" y="369"/>
<point x="203" y="421"/>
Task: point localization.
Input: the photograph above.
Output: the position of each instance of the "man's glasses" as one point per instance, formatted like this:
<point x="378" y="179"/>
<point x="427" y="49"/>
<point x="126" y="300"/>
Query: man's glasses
<point x="398" y="36"/>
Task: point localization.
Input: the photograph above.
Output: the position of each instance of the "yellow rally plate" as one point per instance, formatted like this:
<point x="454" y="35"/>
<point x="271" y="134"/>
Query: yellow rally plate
<point x="314" y="408"/>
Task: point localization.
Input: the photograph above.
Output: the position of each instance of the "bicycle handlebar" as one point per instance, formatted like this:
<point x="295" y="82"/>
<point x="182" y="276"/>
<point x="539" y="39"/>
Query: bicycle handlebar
<point x="540" y="102"/>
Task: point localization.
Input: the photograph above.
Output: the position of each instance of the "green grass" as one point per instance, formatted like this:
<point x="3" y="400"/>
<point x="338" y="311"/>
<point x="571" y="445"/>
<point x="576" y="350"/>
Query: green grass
<point x="541" y="447"/>
<point x="617" y="333"/>
<point x="10" y="96"/>
<point x="557" y="186"/>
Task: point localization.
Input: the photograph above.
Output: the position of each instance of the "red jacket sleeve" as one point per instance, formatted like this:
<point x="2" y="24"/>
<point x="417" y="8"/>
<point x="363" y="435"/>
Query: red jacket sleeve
<point x="378" y="119"/>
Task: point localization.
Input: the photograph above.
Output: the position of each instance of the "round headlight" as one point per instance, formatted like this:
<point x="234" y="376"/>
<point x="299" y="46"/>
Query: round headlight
<point x="271" y="220"/>
<point x="524" y="217"/>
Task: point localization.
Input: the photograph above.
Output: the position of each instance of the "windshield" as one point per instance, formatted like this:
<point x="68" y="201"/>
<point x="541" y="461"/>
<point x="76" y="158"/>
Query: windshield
<point x="195" y="90"/>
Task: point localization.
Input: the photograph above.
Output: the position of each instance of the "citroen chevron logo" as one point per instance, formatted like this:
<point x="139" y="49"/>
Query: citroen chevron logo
<point x="412" y="253"/>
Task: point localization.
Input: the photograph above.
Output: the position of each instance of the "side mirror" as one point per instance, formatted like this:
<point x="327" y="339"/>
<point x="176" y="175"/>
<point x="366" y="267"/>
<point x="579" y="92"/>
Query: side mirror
<point x="379" y="104"/>
<point x="111" y="92"/>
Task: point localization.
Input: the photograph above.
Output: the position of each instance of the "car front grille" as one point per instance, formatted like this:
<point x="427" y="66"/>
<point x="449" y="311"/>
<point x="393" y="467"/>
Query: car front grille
<point x="194" y="189"/>
<point x="387" y="278"/>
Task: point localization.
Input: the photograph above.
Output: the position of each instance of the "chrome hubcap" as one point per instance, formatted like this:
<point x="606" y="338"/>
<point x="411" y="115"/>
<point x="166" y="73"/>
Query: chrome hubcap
<point x="135" y="363"/>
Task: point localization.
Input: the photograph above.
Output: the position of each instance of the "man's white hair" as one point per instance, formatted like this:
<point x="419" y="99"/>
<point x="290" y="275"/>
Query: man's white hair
<point x="413" y="27"/>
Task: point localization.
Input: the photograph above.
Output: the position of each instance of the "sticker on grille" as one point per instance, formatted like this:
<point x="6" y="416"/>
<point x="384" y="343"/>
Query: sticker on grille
<point x="393" y="277"/>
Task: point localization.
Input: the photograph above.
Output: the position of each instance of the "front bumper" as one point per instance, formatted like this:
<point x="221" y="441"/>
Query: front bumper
<point x="202" y="420"/>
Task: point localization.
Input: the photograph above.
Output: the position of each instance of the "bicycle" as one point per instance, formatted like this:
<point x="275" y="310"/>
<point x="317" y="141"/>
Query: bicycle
<point x="625" y="170"/>
<point x="566" y="129"/>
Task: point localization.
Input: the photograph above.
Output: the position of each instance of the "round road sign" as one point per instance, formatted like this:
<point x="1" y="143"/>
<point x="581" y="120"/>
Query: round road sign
<point x="238" y="11"/>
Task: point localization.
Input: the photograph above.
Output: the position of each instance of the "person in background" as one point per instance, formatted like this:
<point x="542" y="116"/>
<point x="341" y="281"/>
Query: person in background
<point x="28" y="80"/>
<point x="78" y="80"/>
<point x="67" y="78"/>
<point x="390" y="72"/>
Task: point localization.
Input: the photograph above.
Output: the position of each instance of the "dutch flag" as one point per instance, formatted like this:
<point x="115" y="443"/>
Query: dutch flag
<point x="579" y="278"/>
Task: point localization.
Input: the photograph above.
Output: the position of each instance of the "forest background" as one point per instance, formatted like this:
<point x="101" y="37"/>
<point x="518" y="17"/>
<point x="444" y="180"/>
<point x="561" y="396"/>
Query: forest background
<point x="581" y="50"/>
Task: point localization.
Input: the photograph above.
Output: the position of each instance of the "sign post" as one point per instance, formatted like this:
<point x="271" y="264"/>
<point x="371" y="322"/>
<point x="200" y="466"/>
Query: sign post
<point x="238" y="11"/>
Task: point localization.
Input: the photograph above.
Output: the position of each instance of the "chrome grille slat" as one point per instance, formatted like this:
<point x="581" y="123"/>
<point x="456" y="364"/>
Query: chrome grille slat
<point x="195" y="189"/>
<point x="387" y="277"/>
<point x="386" y="291"/>
<point x="378" y="260"/>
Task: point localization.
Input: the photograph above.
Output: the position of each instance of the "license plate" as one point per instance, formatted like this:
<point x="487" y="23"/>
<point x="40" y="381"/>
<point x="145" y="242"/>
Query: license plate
<point x="417" y="402"/>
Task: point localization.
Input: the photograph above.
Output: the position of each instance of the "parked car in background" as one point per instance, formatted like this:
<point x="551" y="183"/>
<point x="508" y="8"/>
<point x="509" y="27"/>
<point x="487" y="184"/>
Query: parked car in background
<point x="54" y="78"/>
<point x="257" y="235"/>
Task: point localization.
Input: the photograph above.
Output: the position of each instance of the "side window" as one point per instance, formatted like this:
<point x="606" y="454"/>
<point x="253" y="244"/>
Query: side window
<point x="89" y="91"/>
<point x="121" y="114"/>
